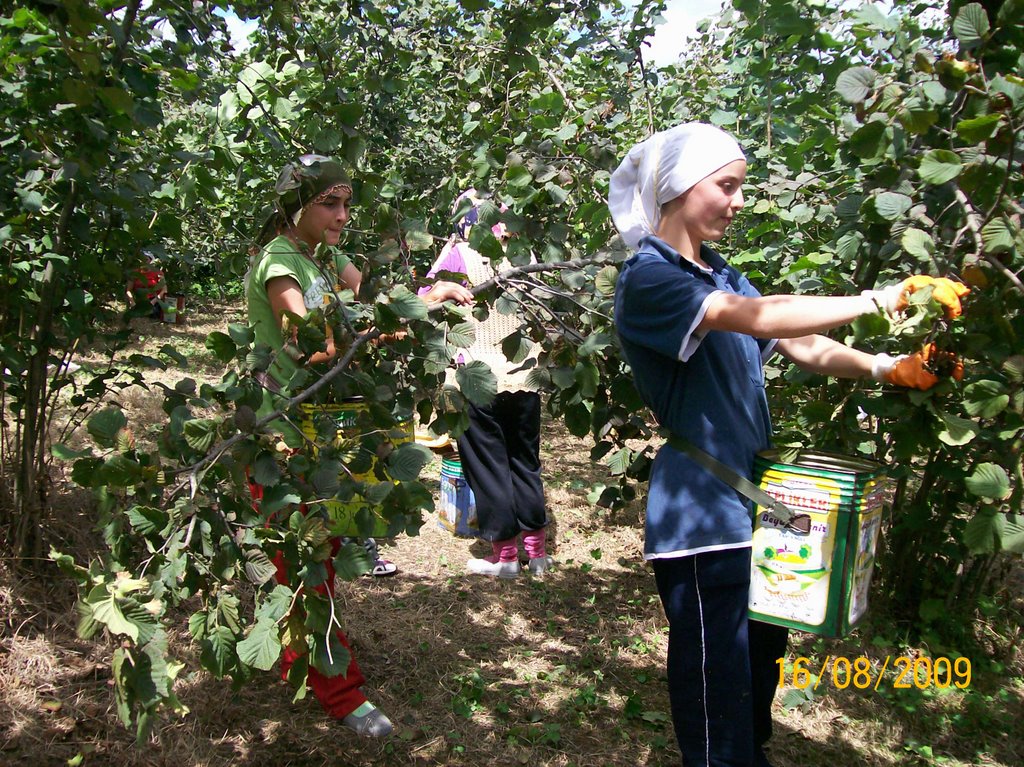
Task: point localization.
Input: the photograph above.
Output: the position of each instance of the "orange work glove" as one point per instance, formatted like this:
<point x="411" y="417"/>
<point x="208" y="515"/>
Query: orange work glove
<point x="944" y="290"/>
<point x="921" y="370"/>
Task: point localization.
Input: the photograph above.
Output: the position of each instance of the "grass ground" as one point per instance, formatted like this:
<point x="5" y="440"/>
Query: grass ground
<point x="562" y="671"/>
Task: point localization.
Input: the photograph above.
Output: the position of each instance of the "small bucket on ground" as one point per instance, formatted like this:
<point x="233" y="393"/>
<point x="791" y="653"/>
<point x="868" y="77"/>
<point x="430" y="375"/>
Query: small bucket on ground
<point x="169" y="311"/>
<point x="457" y="512"/>
<point x="816" y="582"/>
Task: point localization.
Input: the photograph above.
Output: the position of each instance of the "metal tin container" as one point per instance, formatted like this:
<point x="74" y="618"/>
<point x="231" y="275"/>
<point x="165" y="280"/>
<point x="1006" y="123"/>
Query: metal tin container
<point x="816" y="582"/>
<point x="457" y="511"/>
<point x="349" y="427"/>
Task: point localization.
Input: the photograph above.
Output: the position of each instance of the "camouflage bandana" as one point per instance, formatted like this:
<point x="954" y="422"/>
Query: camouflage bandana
<point x="312" y="178"/>
<point x="327" y="194"/>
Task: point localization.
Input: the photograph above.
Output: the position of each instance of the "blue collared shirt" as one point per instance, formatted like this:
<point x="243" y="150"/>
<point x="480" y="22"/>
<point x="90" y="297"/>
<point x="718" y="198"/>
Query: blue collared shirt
<point x="707" y="388"/>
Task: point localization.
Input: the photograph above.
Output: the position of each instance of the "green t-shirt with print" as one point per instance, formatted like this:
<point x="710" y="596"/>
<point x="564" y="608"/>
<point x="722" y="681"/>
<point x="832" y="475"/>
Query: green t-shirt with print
<point x="281" y="258"/>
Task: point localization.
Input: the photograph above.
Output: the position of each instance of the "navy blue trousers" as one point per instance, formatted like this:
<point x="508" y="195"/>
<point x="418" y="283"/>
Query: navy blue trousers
<point x="722" y="670"/>
<point x="500" y="453"/>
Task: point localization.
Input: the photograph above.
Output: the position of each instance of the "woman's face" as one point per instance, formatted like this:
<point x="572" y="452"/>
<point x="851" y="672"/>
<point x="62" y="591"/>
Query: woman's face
<point x="707" y="208"/>
<point x="323" y="221"/>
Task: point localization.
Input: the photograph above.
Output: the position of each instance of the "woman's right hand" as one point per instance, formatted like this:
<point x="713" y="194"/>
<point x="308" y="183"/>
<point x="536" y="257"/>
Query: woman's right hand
<point x="922" y="369"/>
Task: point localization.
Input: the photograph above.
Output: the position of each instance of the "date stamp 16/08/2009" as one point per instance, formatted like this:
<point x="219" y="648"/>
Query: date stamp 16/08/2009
<point x="864" y="673"/>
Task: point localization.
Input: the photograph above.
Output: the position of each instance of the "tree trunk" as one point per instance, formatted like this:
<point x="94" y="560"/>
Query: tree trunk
<point x="30" y="471"/>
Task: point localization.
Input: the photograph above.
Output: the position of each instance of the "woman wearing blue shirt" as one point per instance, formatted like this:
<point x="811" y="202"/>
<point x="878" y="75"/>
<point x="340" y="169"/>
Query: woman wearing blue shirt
<point x="696" y="334"/>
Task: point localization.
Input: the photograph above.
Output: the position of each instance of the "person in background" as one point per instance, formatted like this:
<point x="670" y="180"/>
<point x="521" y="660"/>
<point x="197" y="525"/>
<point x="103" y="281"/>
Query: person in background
<point x="500" y="451"/>
<point x="696" y="334"/>
<point x="147" y="285"/>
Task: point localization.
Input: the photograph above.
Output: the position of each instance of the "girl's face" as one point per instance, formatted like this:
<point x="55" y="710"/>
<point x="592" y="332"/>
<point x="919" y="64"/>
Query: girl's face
<point x="707" y="208"/>
<point x="323" y="221"/>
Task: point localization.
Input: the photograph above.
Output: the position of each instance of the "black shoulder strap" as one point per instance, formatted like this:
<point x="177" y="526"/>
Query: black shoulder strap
<point x="796" y="521"/>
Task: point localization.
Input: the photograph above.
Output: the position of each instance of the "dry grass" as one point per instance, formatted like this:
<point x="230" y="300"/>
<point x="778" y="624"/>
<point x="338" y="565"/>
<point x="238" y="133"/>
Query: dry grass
<point x="562" y="671"/>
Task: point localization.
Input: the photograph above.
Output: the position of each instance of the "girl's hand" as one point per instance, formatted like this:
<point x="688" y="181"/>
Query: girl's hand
<point x="443" y="290"/>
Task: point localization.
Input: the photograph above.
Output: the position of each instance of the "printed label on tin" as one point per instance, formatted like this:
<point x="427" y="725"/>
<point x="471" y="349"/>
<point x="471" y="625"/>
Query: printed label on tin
<point x="790" y="573"/>
<point x="805" y="493"/>
<point x="864" y="563"/>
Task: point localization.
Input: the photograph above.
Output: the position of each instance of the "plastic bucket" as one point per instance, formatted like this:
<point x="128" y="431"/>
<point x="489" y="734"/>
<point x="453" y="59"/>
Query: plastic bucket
<point x="816" y="582"/>
<point x="349" y="427"/>
<point x="457" y="512"/>
<point x="169" y="311"/>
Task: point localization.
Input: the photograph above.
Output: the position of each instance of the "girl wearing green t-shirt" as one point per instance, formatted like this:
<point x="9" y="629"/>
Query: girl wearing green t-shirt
<point x="312" y="208"/>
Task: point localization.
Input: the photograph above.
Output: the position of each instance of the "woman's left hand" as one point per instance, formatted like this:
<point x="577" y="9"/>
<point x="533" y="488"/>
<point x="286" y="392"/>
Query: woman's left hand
<point x="443" y="290"/>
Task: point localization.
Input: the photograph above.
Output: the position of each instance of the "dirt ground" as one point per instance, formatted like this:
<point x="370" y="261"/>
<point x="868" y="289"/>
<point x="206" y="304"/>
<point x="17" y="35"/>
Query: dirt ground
<point x="560" y="671"/>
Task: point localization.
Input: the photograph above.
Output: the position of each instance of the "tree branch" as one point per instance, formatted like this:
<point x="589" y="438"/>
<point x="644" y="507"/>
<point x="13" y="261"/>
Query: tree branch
<point x="974" y="226"/>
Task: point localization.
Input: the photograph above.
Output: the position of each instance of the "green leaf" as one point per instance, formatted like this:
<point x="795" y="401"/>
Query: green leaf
<point x="619" y="461"/>
<point x="221" y="345"/>
<point x="978" y="129"/>
<point x="595" y="343"/>
<point x="145" y="361"/>
<point x="351" y="561"/>
<point x="258" y="567"/>
<point x="407" y="304"/>
<point x="200" y="433"/>
<point x="516" y="347"/>
<point x="265" y="470"/>
<point x="418" y="239"/>
<point x="918" y="244"/>
<point x="578" y="420"/>
<point x="242" y="335"/>
<point x="278" y="497"/>
<point x="997" y="237"/>
<point x="989" y="480"/>
<point x="120" y="471"/>
<point x="148" y="520"/>
<point x="892" y="205"/>
<point x="606" y="281"/>
<point x="108" y="612"/>
<point x="324" y="478"/>
<point x="868" y="140"/>
<point x="1013" y="533"/>
<point x="957" y="431"/>
<point x="177" y="357"/>
<point x="328" y="663"/>
<point x="462" y="335"/>
<point x="87" y="625"/>
<point x="86" y="472"/>
<point x="985" y="399"/>
<point x="1014" y="368"/>
<point x="261" y="647"/>
<point x="117" y="100"/>
<point x="855" y="84"/>
<point x="939" y="166"/>
<point x="218" y="650"/>
<point x="971" y="25"/>
<point x="62" y="452"/>
<point x="104" y="425"/>
<point x="31" y="200"/>
<point x="983" y="533"/>
<point x="477" y="382"/>
<point x="848" y="246"/>
<point x="407" y="461"/>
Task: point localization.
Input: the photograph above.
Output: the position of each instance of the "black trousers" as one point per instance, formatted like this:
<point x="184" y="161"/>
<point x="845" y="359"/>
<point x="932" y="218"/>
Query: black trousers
<point x="722" y="670"/>
<point x="500" y="454"/>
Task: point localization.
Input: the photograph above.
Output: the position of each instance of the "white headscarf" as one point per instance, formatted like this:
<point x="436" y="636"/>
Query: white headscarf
<point x="660" y="169"/>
